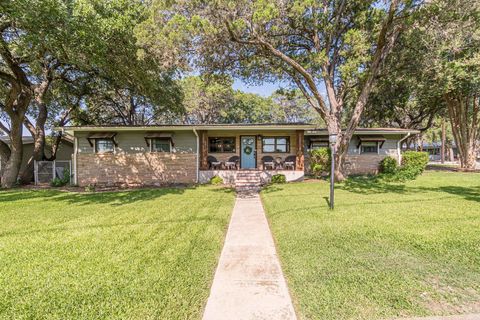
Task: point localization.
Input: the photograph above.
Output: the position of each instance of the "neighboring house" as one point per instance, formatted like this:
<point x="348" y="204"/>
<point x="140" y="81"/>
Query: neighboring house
<point x="435" y="149"/>
<point x="64" y="152"/>
<point x="170" y="154"/>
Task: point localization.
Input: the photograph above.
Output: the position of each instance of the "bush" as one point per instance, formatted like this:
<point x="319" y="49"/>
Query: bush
<point x="320" y="161"/>
<point x="216" y="180"/>
<point x="389" y="165"/>
<point x="90" y="188"/>
<point x="279" y="178"/>
<point x="60" y="182"/>
<point x="413" y="164"/>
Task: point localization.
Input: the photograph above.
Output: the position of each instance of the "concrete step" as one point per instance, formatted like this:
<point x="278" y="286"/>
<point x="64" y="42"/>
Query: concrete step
<point x="253" y="183"/>
<point x="248" y="179"/>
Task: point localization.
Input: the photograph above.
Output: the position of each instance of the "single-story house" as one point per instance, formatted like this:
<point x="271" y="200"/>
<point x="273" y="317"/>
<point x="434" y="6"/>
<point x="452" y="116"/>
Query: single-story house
<point x="170" y="154"/>
<point x="64" y="152"/>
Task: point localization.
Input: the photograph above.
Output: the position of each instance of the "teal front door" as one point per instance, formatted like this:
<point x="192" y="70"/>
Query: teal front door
<point x="247" y="152"/>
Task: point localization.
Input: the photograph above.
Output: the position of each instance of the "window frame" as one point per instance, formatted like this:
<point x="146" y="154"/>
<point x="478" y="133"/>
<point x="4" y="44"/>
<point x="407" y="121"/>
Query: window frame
<point x="95" y="146"/>
<point x="325" y="144"/>
<point x="377" y="148"/>
<point x="170" y="144"/>
<point x="222" y="144"/>
<point x="276" y="138"/>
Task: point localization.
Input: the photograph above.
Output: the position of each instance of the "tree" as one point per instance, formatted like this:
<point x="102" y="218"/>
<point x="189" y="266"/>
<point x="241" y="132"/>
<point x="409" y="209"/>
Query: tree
<point x="336" y="46"/>
<point x="293" y="107"/>
<point x="211" y="99"/>
<point x="206" y="99"/>
<point x="49" y="46"/>
<point x="451" y="31"/>
<point x="402" y="96"/>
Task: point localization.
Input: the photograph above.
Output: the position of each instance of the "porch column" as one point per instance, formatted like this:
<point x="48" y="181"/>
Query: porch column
<point x="203" y="149"/>
<point x="300" y="165"/>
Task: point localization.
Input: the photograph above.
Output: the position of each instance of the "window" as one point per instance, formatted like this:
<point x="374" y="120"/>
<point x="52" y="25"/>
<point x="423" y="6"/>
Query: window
<point x="275" y="144"/>
<point x="160" y="145"/>
<point x="369" y="147"/>
<point x="221" y="145"/>
<point x="318" y="144"/>
<point x="104" y="145"/>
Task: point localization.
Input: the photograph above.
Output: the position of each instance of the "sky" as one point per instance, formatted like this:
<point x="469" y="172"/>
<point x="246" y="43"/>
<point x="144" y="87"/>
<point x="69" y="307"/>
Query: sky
<point x="263" y="90"/>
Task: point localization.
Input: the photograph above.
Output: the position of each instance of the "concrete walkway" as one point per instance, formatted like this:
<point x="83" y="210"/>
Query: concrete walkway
<point x="249" y="283"/>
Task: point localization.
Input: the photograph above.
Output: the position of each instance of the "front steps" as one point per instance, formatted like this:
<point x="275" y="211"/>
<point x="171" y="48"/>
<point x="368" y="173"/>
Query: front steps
<point x="248" y="181"/>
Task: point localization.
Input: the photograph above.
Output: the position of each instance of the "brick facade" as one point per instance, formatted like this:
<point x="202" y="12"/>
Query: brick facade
<point x="357" y="164"/>
<point x="363" y="163"/>
<point x="136" y="169"/>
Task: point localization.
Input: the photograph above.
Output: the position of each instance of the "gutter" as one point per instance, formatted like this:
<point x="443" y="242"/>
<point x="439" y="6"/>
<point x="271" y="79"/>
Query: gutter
<point x="198" y="156"/>
<point x="75" y="151"/>
<point x="399" y="151"/>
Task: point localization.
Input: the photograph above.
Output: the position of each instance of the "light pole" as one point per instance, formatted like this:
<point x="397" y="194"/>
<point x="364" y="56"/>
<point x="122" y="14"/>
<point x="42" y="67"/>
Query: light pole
<point x="332" y="138"/>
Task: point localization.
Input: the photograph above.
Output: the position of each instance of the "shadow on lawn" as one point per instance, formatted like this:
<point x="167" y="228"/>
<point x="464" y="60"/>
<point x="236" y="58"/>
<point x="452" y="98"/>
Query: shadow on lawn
<point x="113" y="198"/>
<point x="20" y="194"/>
<point x="373" y="185"/>
<point x="370" y="185"/>
<point x="152" y="222"/>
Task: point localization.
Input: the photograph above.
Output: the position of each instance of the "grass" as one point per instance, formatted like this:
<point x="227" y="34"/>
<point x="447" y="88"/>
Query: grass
<point x="145" y="254"/>
<point x="386" y="251"/>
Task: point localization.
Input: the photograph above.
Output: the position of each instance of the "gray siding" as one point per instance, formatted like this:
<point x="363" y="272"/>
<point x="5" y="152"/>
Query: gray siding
<point x="389" y="148"/>
<point x="134" y="142"/>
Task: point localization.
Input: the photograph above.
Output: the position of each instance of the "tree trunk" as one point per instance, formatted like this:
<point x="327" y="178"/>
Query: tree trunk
<point x="38" y="133"/>
<point x="463" y="112"/>
<point x="4" y="156"/>
<point x="442" y="151"/>
<point x="12" y="167"/>
<point x="451" y="154"/>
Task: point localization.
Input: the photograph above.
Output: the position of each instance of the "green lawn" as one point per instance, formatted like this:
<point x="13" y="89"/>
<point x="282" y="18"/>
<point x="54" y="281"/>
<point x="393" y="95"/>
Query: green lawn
<point x="387" y="250"/>
<point x="145" y="254"/>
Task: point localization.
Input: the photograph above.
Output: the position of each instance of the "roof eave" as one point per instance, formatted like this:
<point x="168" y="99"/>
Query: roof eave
<point x="184" y="128"/>
<point x="366" y="132"/>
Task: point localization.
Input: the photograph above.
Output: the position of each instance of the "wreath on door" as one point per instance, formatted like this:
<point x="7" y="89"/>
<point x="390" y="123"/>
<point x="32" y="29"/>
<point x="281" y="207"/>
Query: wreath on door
<point x="247" y="150"/>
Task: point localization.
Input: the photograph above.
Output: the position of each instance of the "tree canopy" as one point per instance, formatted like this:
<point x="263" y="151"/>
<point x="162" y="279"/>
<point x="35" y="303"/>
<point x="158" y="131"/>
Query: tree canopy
<point x="333" y="46"/>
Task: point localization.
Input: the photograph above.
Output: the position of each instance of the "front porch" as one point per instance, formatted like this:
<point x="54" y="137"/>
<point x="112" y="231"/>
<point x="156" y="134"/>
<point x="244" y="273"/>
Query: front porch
<point x="226" y="153"/>
<point x="230" y="176"/>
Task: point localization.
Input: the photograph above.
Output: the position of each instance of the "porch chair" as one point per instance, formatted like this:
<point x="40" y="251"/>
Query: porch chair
<point x="232" y="163"/>
<point x="213" y="163"/>
<point x="268" y="163"/>
<point x="290" y="162"/>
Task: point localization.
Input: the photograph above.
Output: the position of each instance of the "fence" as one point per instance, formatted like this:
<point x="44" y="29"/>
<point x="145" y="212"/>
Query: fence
<point x="46" y="171"/>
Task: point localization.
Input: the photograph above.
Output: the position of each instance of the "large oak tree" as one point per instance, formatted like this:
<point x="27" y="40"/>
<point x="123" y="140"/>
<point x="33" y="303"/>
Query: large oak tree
<point x="451" y="33"/>
<point x="331" y="50"/>
<point x="53" y="49"/>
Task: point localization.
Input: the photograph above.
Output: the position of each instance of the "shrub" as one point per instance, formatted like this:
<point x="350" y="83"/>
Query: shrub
<point x="413" y="164"/>
<point x="320" y="161"/>
<point x="60" y="182"/>
<point x="216" y="180"/>
<point x="389" y="166"/>
<point x="90" y="188"/>
<point x="279" y="178"/>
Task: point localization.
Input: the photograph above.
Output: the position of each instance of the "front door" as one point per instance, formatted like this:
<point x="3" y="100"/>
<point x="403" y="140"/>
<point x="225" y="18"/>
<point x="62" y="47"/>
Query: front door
<point x="247" y="152"/>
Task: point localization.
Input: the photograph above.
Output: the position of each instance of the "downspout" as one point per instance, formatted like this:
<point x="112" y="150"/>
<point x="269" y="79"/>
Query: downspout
<point x="399" y="151"/>
<point x="75" y="151"/>
<point x="198" y="155"/>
